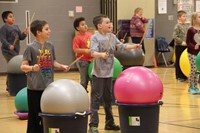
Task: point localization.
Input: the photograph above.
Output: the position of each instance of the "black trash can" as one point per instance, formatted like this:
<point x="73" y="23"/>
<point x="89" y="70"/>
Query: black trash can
<point x="16" y="82"/>
<point x="139" y="118"/>
<point x="65" y="123"/>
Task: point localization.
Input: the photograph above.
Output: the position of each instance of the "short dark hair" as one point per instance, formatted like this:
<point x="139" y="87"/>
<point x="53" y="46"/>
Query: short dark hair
<point x="77" y="22"/>
<point x="180" y="13"/>
<point x="5" y="14"/>
<point x="98" y="20"/>
<point x="37" y="25"/>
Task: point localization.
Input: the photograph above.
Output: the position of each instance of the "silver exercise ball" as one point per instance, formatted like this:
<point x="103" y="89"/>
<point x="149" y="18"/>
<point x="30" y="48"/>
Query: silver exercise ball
<point x="64" y="96"/>
<point x="133" y="57"/>
<point x="14" y="64"/>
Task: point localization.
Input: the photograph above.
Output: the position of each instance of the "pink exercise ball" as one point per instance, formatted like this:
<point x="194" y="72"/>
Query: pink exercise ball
<point x="138" y="85"/>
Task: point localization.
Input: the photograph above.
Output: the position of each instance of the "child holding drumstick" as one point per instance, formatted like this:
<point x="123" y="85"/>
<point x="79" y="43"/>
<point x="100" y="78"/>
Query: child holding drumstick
<point x="38" y="62"/>
<point x="81" y="46"/>
<point x="103" y="45"/>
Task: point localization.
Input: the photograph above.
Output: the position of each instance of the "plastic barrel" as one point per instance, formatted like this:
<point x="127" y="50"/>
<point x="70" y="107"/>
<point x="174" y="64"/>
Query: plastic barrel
<point x="139" y="118"/>
<point x="16" y="82"/>
<point x="64" y="123"/>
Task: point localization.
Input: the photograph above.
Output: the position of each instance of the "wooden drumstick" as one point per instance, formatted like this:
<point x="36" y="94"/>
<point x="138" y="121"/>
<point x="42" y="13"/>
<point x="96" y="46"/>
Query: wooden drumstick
<point x="108" y="44"/>
<point x="145" y="33"/>
<point x="117" y="32"/>
<point x="15" y="41"/>
<point x="76" y="60"/>
<point x="125" y="36"/>
<point x="31" y="19"/>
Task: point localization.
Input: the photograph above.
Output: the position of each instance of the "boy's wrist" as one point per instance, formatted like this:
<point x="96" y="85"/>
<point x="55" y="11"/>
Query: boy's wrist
<point x="33" y="69"/>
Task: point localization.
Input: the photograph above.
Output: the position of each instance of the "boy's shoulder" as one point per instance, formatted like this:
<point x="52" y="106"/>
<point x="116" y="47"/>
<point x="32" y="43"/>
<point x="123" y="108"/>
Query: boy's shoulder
<point x="5" y="26"/>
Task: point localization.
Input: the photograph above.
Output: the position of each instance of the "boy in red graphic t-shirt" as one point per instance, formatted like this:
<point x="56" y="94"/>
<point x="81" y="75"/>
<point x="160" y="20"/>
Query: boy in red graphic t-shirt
<point x="81" y="46"/>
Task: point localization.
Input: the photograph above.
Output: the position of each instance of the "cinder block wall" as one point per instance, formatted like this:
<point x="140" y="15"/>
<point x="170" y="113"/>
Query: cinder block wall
<point x="56" y="13"/>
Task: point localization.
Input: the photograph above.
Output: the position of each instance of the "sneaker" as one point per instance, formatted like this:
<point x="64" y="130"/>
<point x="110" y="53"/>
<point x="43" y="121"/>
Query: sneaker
<point x="93" y="130"/>
<point x="112" y="127"/>
<point x="197" y="90"/>
<point x="192" y="91"/>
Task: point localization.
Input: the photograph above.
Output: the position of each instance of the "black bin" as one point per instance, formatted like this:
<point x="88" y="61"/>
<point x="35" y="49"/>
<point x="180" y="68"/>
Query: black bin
<point x="16" y="82"/>
<point x="139" y="118"/>
<point x="64" y="123"/>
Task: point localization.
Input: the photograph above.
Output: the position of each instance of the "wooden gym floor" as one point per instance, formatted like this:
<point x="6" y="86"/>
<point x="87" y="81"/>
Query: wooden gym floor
<point x="180" y="112"/>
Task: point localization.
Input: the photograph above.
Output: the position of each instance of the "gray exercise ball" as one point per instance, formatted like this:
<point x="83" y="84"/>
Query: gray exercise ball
<point x="64" y="96"/>
<point x="14" y="64"/>
<point x="133" y="57"/>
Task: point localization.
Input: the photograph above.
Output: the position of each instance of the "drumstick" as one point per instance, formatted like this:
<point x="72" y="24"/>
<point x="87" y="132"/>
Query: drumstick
<point x="15" y="41"/>
<point x="145" y="33"/>
<point x="108" y="44"/>
<point x="117" y="32"/>
<point x="31" y="19"/>
<point x="125" y="36"/>
<point x="76" y="60"/>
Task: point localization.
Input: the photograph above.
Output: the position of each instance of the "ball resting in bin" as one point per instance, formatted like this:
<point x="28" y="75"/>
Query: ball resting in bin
<point x="138" y="85"/>
<point x="138" y="92"/>
<point x="65" y="107"/>
<point x="64" y="96"/>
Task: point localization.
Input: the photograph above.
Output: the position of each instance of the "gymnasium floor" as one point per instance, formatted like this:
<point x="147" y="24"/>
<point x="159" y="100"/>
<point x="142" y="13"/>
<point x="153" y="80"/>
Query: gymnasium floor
<point x="180" y="112"/>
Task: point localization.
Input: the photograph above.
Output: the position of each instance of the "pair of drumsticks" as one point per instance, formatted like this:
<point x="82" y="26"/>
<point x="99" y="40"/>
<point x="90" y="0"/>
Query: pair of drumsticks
<point x="17" y="36"/>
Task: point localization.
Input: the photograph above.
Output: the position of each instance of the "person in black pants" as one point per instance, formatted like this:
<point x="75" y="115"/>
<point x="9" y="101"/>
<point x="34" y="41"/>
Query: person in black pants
<point x="179" y="36"/>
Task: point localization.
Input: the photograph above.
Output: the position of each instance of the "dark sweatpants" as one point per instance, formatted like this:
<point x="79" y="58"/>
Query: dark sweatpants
<point x="34" y="120"/>
<point x="101" y="88"/>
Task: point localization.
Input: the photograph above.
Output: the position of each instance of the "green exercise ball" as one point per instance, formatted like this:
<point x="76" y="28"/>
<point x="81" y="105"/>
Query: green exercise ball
<point x="21" y="101"/>
<point x="198" y="62"/>
<point x="116" y="72"/>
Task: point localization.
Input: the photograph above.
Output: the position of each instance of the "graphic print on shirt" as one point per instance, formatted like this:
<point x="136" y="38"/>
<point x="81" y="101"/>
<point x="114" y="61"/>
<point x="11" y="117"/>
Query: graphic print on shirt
<point x="88" y="43"/>
<point x="45" y="62"/>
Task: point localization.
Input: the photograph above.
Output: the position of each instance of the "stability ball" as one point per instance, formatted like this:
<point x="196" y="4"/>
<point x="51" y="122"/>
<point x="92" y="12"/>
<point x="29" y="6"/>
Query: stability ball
<point x="14" y="64"/>
<point x="64" y="96"/>
<point x="184" y="63"/>
<point x="117" y="68"/>
<point x="21" y="101"/>
<point x="138" y="85"/>
<point x="198" y="62"/>
<point x="134" y="57"/>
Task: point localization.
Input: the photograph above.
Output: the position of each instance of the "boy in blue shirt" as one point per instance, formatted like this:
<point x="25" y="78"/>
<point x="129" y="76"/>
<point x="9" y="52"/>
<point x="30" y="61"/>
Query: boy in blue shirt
<point x="10" y="36"/>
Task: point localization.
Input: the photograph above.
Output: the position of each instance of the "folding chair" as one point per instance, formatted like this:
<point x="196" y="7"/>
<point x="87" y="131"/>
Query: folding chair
<point x="162" y="47"/>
